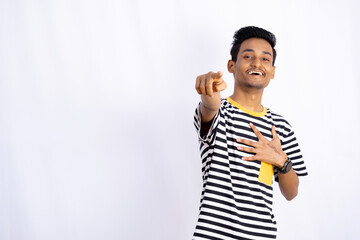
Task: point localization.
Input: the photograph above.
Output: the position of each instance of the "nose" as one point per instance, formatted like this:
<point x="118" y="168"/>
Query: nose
<point x="255" y="62"/>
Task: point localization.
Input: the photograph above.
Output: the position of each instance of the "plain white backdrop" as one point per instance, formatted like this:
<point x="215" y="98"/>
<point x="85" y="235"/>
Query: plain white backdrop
<point x="96" y="109"/>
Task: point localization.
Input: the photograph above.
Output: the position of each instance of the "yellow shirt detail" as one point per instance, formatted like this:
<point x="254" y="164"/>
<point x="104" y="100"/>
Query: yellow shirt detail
<point x="266" y="170"/>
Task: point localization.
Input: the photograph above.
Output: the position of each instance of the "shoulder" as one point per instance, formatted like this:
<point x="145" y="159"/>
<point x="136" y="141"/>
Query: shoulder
<point x="226" y="106"/>
<point x="225" y="103"/>
<point x="278" y="118"/>
<point x="281" y="124"/>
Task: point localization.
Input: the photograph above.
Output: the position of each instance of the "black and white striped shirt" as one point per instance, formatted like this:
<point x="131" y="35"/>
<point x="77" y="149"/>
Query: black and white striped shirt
<point x="237" y="196"/>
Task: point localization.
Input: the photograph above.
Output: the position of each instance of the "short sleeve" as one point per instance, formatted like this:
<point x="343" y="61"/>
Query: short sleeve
<point x="291" y="147"/>
<point x="210" y="136"/>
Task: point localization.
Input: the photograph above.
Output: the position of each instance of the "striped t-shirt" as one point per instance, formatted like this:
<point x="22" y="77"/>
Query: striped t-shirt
<point x="237" y="196"/>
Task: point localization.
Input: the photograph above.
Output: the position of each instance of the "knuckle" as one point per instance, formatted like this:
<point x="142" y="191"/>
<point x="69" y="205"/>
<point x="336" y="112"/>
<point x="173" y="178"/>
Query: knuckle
<point x="197" y="84"/>
<point x="210" y="75"/>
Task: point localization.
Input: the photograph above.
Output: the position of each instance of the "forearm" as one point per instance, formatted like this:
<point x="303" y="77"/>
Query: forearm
<point x="289" y="183"/>
<point x="209" y="106"/>
<point x="209" y="86"/>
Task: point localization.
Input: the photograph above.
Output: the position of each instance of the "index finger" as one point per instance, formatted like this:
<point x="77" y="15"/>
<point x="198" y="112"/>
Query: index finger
<point x="217" y="76"/>
<point x="273" y="131"/>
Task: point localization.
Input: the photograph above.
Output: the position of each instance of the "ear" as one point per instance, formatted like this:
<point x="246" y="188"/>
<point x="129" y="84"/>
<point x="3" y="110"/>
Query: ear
<point x="231" y="66"/>
<point x="273" y="73"/>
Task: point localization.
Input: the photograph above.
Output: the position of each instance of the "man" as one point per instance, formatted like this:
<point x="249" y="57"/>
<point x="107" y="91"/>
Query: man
<point x="243" y="145"/>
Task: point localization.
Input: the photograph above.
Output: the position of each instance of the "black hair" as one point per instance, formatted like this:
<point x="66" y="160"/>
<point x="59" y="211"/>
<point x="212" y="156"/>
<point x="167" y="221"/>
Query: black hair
<point x="251" y="32"/>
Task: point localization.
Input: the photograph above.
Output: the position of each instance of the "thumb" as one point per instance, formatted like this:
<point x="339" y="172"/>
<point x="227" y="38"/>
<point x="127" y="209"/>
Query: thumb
<point x="218" y="75"/>
<point x="220" y="86"/>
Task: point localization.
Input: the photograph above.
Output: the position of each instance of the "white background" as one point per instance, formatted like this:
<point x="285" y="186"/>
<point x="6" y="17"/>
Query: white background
<point x="96" y="109"/>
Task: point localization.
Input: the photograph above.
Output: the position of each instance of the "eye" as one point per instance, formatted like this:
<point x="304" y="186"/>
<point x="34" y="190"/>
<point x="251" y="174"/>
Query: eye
<point x="266" y="59"/>
<point x="247" y="57"/>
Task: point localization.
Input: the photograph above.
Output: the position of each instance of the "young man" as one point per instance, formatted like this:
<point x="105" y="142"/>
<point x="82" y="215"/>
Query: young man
<point x="243" y="145"/>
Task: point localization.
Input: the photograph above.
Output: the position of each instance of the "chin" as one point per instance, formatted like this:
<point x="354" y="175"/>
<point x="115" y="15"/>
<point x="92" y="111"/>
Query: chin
<point x="256" y="86"/>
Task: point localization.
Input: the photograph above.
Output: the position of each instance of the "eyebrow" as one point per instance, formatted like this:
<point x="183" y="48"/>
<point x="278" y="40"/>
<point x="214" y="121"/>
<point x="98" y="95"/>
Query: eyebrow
<point x="252" y="50"/>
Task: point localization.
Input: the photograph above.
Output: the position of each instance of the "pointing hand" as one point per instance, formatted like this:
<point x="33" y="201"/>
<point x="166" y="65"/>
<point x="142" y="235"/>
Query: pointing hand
<point x="210" y="83"/>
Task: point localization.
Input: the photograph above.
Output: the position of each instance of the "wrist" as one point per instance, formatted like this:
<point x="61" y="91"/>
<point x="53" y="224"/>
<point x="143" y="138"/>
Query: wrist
<point x="282" y="161"/>
<point x="210" y="103"/>
<point x="286" y="167"/>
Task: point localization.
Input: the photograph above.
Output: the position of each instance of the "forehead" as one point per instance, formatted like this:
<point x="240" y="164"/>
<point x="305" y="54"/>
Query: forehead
<point x="256" y="44"/>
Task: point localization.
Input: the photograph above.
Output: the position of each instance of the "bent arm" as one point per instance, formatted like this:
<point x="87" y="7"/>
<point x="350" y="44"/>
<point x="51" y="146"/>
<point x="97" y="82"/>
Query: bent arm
<point x="271" y="152"/>
<point x="289" y="184"/>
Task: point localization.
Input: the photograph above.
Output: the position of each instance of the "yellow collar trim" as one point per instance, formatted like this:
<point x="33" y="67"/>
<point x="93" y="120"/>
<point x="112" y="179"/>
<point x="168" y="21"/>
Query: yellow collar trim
<point x="252" y="113"/>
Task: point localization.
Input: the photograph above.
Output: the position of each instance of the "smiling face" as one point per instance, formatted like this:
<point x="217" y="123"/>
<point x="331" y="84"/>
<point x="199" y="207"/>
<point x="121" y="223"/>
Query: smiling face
<point x="253" y="68"/>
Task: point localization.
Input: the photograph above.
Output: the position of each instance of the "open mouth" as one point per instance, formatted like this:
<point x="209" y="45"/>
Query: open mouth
<point x="257" y="73"/>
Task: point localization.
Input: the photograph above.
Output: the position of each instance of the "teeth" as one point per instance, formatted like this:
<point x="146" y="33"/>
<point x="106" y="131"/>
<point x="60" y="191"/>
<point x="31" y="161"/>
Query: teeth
<point x="255" y="72"/>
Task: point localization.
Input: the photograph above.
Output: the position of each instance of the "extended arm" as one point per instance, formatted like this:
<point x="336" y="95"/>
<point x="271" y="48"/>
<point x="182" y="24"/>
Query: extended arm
<point x="209" y="86"/>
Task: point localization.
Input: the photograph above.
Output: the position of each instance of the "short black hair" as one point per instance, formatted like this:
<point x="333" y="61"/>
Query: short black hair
<point x="251" y="32"/>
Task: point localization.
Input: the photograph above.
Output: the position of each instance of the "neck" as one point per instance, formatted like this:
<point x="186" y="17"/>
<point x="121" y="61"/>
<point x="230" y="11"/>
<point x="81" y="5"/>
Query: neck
<point x="250" y="98"/>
